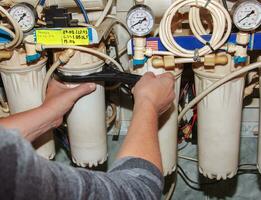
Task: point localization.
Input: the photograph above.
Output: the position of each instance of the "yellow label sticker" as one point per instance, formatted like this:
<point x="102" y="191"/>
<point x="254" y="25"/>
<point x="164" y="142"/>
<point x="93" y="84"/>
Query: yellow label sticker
<point x="65" y="36"/>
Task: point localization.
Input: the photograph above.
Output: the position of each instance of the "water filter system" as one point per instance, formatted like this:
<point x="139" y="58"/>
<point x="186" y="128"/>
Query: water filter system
<point x="209" y="46"/>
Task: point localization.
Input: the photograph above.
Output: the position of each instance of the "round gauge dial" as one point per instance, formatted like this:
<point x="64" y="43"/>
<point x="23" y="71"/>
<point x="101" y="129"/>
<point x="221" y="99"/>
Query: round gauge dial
<point x="247" y="15"/>
<point x="25" y="15"/>
<point x="140" y="20"/>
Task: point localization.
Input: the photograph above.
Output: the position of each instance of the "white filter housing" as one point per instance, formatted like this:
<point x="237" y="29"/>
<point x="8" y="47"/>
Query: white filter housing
<point x="87" y="121"/>
<point x="23" y="85"/>
<point x="168" y="123"/>
<point x="219" y="122"/>
<point x="168" y="131"/>
<point x="87" y="129"/>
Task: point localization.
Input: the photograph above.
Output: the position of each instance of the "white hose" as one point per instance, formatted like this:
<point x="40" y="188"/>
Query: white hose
<point x="216" y="85"/>
<point x="221" y="27"/>
<point x="85" y="49"/>
<point x="104" y="13"/>
<point x="18" y="32"/>
<point x="58" y="62"/>
<point x="119" y="22"/>
<point x="48" y="76"/>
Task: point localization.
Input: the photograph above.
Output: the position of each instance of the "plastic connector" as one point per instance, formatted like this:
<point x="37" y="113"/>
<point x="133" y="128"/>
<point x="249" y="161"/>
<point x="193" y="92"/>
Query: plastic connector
<point x="139" y="44"/>
<point x="139" y="62"/>
<point x="213" y="59"/>
<point x="33" y="58"/>
<point x="66" y="55"/>
<point x="4" y="54"/>
<point x="241" y="48"/>
<point x="31" y="54"/>
<point x="166" y="62"/>
<point x="239" y="59"/>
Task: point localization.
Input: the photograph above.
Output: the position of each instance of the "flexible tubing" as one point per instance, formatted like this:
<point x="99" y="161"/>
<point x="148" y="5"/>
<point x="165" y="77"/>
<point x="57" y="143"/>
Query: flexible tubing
<point x="11" y="33"/>
<point x="104" y="13"/>
<point x="221" y="27"/>
<point x="84" y="13"/>
<point x="42" y="2"/>
<point x="18" y="32"/>
<point x="58" y="62"/>
<point x="119" y="22"/>
<point x="48" y="76"/>
<point x="88" y="50"/>
<point x="216" y="85"/>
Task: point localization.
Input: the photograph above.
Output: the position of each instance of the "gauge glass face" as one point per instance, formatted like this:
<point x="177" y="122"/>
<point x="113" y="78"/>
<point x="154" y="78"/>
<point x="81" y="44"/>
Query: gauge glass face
<point x="140" y="21"/>
<point x="247" y="15"/>
<point x="24" y="16"/>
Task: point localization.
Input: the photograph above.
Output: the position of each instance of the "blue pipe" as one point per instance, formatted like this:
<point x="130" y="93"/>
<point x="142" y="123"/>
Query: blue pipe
<point x="80" y="5"/>
<point x="42" y="2"/>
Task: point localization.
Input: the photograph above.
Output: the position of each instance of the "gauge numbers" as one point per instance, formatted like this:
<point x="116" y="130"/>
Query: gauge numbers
<point x="247" y="15"/>
<point x="25" y="16"/>
<point x="140" y="20"/>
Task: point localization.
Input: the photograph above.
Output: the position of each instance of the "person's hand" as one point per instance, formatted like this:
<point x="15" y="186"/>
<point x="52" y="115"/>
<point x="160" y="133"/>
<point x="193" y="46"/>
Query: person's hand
<point x="155" y="90"/>
<point x="60" y="98"/>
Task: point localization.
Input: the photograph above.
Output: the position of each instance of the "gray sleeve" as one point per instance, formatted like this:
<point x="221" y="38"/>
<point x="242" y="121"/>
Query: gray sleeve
<point x="28" y="176"/>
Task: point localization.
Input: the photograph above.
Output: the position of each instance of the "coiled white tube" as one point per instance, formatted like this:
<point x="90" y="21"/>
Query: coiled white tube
<point x="221" y="27"/>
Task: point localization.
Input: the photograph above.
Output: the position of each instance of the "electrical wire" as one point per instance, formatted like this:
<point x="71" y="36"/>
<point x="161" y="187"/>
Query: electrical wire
<point x="41" y="2"/>
<point x="84" y="13"/>
<point x="225" y="4"/>
<point x="104" y="13"/>
<point x="217" y="84"/>
<point x="187" y="158"/>
<point x="222" y="26"/>
<point x="188" y="180"/>
<point x="80" y="6"/>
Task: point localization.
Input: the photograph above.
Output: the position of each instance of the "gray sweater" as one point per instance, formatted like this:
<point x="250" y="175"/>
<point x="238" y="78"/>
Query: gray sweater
<point x="25" y="175"/>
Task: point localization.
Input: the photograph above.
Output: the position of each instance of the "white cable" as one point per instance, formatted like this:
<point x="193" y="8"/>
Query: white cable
<point x="188" y="158"/>
<point x="119" y="22"/>
<point x="18" y="32"/>
<point x="216" y="85"/>
<point x="48" y="76"/>
<point x="58" y="62"/>
<point x="221" y="27"/>
<point x="104" y="13"/>
<point x="85" y="49"/>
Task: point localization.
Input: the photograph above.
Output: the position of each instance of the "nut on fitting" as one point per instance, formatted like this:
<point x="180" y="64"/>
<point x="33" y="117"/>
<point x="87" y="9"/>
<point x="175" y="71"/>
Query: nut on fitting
<point x="243" y="38"/>
<point x="213" y="59"/>
<point x="157" y="62"/>
<point x="66" y="55"/>
<point x="31" y="54"/>
<point x="166" y="62"/>
<point x="5" y="54"/>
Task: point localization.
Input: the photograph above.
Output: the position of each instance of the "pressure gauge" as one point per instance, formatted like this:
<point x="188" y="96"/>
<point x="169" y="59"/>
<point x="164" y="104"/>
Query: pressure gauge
<point x="247" y="15"/>
<point x="140" y="20"/>
<point x="25" y="15"/>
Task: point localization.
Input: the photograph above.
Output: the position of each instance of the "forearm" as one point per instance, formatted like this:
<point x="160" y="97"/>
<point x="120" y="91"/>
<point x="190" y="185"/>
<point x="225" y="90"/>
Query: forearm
<point x="142" y="138"/>
<point x="32" y="123"/>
